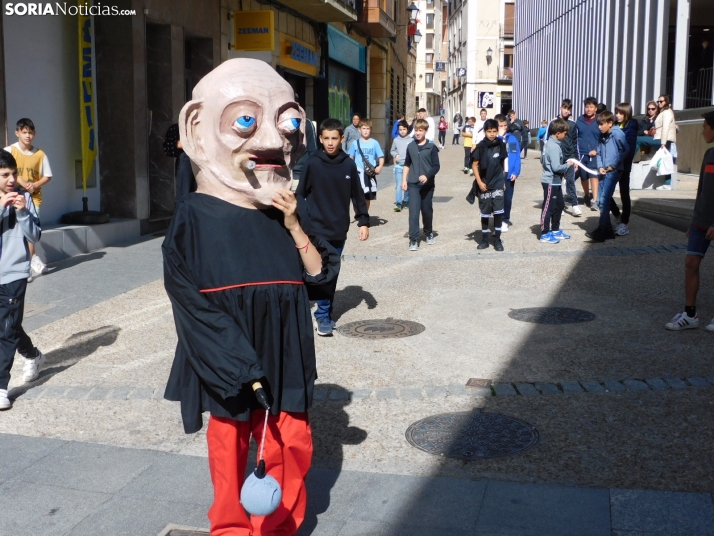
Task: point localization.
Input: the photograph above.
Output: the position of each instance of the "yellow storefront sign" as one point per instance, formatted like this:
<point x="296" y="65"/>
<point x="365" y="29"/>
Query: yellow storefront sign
<point x="253" y="30"/>
<point x="298" y="55"/>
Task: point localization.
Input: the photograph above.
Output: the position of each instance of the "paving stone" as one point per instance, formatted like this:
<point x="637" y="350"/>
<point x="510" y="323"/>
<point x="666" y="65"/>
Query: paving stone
<point x="479" y="391"/>
<point x="635" y="385"/>
<point x="410" y="393"/>
<point x="527" y="389"/>
<point x="319" y="394"/>
<point x="55" y="391"/>
<point x="571" y="387"/>
<point x="34" y="393"/>
<point x="457" y="390"/>
<point x="387" y="393"/>
<point x="359" y="394"/>
<point x="159" y="393"/>
<point x="339" y="394"/>
<point x="547" y="388"/>
<point x="698" y="381"/>
<point x="504" y="389"/>
<point x="142" y="393"/>
<point x="435" y="391"/>
<point x="670" y="248"/>
<point x="77" y="393"/>
<point x="657" y="384"/>
<point x="613" y="386"/>
<point x="120" y="393"/>
<point x="99" y="392"/>
<point x="650" y="249"/>
<point x="593" y="387"/>
<point x="676" y="383"/>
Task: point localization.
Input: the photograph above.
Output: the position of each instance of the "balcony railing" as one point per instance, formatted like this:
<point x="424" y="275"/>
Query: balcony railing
<point x="505" y="74"/>
<point x="506" y="31"/>
<point x="327" y="10"/>
<point x="374" y="18"/>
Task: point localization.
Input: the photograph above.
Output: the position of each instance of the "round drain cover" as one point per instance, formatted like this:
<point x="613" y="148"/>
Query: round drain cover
<point x="552" y="315"/>
<point x="388" y="328"/>
<point x="472" y="435"/>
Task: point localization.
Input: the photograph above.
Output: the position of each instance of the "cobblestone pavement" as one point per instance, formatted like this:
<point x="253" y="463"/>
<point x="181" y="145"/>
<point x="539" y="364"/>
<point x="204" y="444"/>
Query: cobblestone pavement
<point x="619" y="403"/>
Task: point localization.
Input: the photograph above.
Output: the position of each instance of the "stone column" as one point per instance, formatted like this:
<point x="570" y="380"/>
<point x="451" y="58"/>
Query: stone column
<point x="679" y="93"/>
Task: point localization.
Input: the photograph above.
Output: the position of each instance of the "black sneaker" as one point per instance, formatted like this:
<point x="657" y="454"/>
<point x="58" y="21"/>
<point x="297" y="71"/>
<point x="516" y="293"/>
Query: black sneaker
<point x="598" y="235"/>
<point x="483" y="244"/>
<point x="610" y="234"/>
<point x="497" y="244"/>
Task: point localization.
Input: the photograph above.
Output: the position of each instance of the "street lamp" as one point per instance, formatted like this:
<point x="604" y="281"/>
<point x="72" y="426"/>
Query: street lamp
<point x="417" y="37"/>
<point x="489" y="55"/>
<point x="413" y="12"/>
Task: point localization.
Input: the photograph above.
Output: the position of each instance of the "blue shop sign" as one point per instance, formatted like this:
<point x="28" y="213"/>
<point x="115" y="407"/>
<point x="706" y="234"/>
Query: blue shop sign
<point x="346" y="50"/>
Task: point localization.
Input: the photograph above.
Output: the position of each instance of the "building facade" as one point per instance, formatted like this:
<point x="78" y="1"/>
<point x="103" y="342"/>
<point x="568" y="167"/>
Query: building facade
<point x="480" y="61"/>
<point x="429" y="57"/>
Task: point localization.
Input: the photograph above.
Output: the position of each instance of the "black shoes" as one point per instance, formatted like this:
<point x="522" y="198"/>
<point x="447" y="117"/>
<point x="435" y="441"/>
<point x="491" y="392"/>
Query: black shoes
<point x="483" y="244"/>
<point x="497" y="244"/>
<point x="598" y="235"/>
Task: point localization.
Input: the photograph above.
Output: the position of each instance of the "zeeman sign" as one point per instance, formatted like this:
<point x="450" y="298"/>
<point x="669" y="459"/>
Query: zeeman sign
<point x="253" y="30"/>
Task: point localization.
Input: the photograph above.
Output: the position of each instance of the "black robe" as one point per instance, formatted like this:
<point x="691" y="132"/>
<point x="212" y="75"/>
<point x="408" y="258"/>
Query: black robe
<point x="241" y="307"/>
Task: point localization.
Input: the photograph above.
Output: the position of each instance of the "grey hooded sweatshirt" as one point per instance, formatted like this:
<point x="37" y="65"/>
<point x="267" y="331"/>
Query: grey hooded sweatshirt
<point x="17" y="228"/>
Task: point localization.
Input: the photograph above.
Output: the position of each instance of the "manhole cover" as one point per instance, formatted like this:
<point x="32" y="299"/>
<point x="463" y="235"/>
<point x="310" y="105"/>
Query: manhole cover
<point x="472" y="435"/>
<point x="388" y="328"/>
<point x="552" y="315"/>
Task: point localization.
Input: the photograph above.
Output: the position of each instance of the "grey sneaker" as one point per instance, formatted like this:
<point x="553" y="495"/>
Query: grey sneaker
<point x="430" y="239"/>
<point x="413" y="245"/>
<point x="31" y="370"/>
<point x="324" y="327"/>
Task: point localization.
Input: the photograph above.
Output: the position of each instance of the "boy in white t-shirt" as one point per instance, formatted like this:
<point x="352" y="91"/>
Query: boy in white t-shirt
<point x="33" y="172"/>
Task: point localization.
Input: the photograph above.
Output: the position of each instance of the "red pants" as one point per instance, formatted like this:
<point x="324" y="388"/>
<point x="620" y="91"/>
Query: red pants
<point x="288" y="453"/>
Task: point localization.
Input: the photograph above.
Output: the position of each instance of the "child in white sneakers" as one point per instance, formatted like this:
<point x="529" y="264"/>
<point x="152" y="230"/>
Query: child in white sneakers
<point x="700" y="235"/>
<point x="20" y="226"/>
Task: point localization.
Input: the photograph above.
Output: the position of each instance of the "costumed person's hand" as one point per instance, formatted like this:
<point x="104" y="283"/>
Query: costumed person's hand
<point x="260" y="395"/>
<point x="19" y="202"/>
<point x="423" y="178"/>
<point x="363" y="233"/>
<point x="286" y="202"/>
<point x="7" y="199"/>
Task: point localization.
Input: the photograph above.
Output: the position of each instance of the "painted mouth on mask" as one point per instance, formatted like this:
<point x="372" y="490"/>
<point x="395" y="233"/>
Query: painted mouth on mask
<point x="268" y="163"/>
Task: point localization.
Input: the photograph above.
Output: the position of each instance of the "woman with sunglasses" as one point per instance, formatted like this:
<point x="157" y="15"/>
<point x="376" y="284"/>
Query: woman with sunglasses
<point x="665" y="132"/>
<point x="645" y="135"/>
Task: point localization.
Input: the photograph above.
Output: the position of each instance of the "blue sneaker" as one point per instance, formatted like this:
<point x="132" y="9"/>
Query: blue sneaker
<point x="324" y="327"/>
<point x="560" y="235"/>
<point x="548" y="238"/>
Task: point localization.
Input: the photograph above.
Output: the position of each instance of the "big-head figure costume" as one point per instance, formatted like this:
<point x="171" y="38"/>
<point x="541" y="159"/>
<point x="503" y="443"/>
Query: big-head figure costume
<point x="237" y="267"/>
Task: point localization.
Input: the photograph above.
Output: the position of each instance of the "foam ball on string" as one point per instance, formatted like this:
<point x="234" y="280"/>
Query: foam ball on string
<point x="261" y="493"/>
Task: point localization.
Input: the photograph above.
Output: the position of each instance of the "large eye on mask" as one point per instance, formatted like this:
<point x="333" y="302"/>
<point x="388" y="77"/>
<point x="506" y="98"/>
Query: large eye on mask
<point x="289" y="125"/>
<point x="245" y="124"/>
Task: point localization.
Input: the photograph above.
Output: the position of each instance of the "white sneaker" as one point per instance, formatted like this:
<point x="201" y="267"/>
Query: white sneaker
<point x="38" y="266"/>
<point x="622" y="230"/>
<point x="664" y="187"/>
<point x="577" y="211"/>
<point x="4" y="400"/>
<point x="710" y="326"/>
<point x="31" y="370"/>
<point x="504" y="227"/>
<point x="31" y="278"/>
<point x="682" y="321"/>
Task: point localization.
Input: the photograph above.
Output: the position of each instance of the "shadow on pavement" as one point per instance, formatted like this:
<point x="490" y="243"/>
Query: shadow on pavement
<point x="330" y="431"/>
<point x="74" y="261"/>
<point x="351" y="297"/>
<point x="74" y="349"/>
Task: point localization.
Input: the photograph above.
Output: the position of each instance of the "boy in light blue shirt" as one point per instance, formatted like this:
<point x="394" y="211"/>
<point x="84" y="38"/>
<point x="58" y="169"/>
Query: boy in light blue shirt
<point x="369" y="157"/>
<point x="399" y="153"/>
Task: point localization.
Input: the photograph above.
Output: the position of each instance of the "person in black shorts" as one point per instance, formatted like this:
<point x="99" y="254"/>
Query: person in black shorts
<point x="489" y="184"/>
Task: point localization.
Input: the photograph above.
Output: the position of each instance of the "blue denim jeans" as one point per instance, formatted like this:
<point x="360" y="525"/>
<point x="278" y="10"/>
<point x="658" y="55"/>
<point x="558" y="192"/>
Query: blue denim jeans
<point x="324" y="307"/>
<point x="648" y="141"/>
<point x="400" y="196"/>
<point x="608" y="183"/>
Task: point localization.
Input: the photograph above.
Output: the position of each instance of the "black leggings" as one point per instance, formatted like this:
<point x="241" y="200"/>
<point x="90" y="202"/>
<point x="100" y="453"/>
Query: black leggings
<point x="442" y="137"/>
<point x="624" y="195"/>
<point x="455" y="141"/>
<point x="467" y="157"/>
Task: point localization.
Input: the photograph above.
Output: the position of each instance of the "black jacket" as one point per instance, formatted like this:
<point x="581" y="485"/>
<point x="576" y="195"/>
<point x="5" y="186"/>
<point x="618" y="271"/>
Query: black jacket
<point x="328" y="183"/>
<point x="422" y="160"/>
<point x="490" y="156"/>
<point x="569" y="145"/>
<point x="242" y="310"/>
<point x="646" y="124"/>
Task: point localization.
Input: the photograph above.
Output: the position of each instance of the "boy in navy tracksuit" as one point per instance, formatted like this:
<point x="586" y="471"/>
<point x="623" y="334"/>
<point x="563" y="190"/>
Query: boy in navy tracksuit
<point x="329" y="181"/>
<point x="513" y="168"/>
<point x="588" y="137"/>
<point x="611" y="153"/>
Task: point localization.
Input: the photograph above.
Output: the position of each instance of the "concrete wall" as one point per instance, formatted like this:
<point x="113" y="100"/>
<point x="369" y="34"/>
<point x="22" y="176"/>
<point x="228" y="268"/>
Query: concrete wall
<point x="42" y="83"/>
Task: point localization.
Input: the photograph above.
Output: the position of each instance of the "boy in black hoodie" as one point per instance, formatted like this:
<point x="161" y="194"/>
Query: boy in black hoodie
<point x="487" y="164"/>
<point x="329" y="181"/>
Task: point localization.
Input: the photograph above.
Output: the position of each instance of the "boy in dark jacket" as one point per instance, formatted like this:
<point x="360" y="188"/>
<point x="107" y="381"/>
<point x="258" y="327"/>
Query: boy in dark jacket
<point x="611" y="153"/>
<point x="569" y="146"/>
<point x="20" y="226"/>
<point x="513" y="168"/>
<point x="489" y="176"/>
<point x="420" y="168"/>
<point x="700" y="235"/>
<point x="330" y="180"/>
<point x="588" y="136"/>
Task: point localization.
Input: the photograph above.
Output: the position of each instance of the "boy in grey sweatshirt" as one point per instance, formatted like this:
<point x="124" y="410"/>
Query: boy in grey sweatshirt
<point x="19" y="225"/>
<point x="399" y="153"/>
<point x="554" y="168"/>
